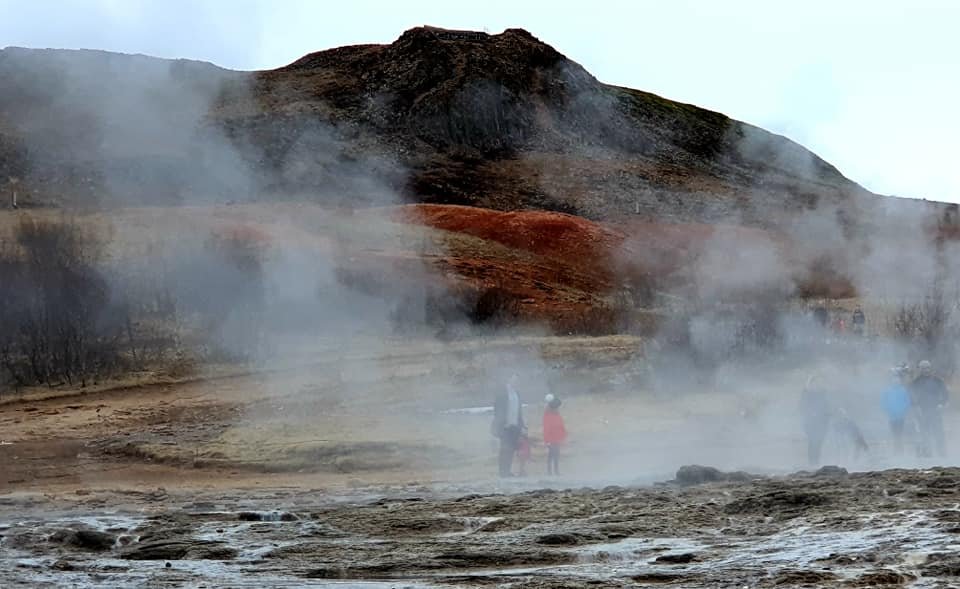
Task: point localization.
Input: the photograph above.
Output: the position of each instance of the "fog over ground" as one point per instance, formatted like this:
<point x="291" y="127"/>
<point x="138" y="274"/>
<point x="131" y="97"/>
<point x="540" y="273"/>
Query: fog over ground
<point x="257" y="297"/>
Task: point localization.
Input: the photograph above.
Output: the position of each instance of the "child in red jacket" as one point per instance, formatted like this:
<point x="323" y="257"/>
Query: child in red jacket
<point x="554" y="434"/>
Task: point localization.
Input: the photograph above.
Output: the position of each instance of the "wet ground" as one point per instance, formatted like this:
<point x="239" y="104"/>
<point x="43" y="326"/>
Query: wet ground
<point x="892" y="528"/>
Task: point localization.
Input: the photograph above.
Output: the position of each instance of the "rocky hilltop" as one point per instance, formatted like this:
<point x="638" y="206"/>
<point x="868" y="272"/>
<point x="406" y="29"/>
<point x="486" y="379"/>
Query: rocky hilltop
<point x="455" y="117"/>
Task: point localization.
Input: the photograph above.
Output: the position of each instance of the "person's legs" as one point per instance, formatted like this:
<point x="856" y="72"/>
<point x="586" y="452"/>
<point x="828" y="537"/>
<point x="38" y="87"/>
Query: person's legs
<point x="936" y="432"/>
<point x="896" y="431"/>
<point x="924" y="434"/>
<point x="523" y="454"/>
<point x="553" y="459"/>
<point x="508" y="447"/>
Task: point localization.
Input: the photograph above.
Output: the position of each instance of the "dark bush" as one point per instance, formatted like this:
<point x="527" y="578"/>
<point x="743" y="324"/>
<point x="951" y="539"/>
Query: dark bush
<point x="58" y="320"/>
<point x="495" y="306"/>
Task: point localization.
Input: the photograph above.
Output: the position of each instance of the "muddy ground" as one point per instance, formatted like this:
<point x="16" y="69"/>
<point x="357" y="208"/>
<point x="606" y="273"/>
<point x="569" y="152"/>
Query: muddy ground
<point x="373" y="466"/>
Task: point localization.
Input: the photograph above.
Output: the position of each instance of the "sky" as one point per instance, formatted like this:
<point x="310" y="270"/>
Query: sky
<point x="873" y="87"/>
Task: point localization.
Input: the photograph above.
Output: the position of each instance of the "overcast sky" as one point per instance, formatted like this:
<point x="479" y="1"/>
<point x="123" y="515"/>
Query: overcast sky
<point x="871" y="86"/>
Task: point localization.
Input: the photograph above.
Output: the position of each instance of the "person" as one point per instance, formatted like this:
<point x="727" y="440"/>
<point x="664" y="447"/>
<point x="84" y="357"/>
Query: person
<point x="858" y="321"/>
<point x="508" y="424"/>
<point x="822" y="316"/>
<point x="839" y="325"/>
<point x="896" y="404"/>
<point x="554" y="433"/>
<point x="929" y="396"/>
<point x="815" y="409"/>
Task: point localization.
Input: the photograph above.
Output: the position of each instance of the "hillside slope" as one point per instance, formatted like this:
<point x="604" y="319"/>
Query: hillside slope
<point x="498" y="121"/>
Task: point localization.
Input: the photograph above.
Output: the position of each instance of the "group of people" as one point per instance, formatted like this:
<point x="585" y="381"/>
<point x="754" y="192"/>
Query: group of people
<point x="914" y="402"/>
<point x="838" y="323"/>
<point x="511" y="429"/>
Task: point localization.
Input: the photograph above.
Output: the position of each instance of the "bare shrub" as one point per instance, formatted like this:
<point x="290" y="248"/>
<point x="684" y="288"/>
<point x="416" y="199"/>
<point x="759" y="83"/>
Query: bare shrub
<point x="929" y="328"/>
<point x="923" y="322"/>
<point x="60" y="323"/>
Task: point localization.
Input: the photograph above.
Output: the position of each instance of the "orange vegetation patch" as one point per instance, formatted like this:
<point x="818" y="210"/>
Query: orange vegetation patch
<point x="567" y="238"/>
<point x="650" y="253"/>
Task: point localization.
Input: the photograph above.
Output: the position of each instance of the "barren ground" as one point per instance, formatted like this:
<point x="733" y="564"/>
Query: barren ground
<point x="352" y="467"/>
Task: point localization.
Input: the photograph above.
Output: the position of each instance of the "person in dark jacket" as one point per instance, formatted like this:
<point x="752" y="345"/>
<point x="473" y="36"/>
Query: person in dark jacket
<point x="816" y="411"/>
<point x="508" y="424"/>
<point x="929" y="397"/>
<point x="859" y="321"/>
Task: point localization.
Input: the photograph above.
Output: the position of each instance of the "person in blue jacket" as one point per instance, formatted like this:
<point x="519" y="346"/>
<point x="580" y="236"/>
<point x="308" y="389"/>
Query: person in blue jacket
<point x="896" y="404"/>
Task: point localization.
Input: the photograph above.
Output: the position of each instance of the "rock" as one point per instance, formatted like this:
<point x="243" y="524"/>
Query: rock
<point x="794" y="578"/>
<point x="24" y="540"/>
<point x="684" y="558"/>
<point x="559" y="539"/>
<point x="63" y="565"/>
<point x="650" y="578"/>
<point x="883" y="577"/>
<point x="92" y="540"/>
<point x="831" y="471"/>
<point x="941" y="565"/>
<point x="697" y="475"/>
<point x="180" y="549"/>
<point x="787" y="502"/>
<point x="739" y="477"/>
<point x="330" y="572"/>
<point x="253" y="516"/>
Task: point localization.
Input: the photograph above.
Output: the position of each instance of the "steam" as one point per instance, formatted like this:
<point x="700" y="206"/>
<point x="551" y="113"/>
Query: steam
<point x="343" y="310"/>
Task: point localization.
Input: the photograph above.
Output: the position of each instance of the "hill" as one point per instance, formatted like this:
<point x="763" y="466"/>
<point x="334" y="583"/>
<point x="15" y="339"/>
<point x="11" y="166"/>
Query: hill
<point x="498" y="121"/>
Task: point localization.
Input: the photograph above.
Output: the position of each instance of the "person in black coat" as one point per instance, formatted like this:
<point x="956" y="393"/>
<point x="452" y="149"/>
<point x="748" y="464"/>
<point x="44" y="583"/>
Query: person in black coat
<point x="508" y="424"/>
<point x="929" y="397"/>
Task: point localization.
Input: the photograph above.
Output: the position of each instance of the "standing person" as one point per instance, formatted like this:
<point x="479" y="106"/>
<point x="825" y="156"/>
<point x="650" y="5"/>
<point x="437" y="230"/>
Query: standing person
<point x="859" y="321"/>
<point x="896" y="404"/>
<point x="815" y="409"/>
<point x="929" y="396"/>
<point x="822" y="316"/>
<point x="554" y="433"/>
<point x="508" y="424"/>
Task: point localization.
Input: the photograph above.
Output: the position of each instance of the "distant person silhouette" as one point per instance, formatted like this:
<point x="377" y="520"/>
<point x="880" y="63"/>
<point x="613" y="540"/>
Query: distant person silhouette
<point x="858" y="321"/>
<point x="896" y="404"/>
<point x="508" y="424"/>
<point x="929" y="396"/>
<point x="554" y="433"/>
